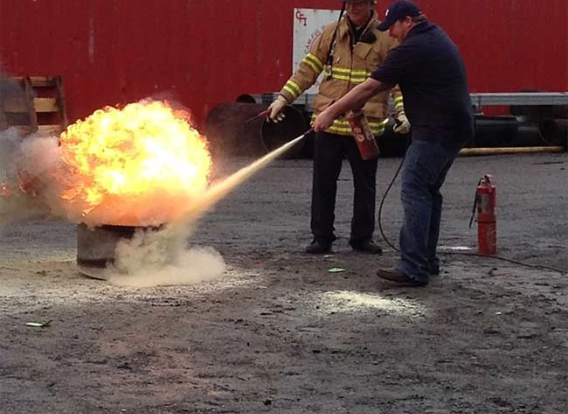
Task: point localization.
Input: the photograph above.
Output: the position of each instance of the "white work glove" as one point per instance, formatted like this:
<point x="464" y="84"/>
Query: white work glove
<point x="275" y="109"/>
<point x="404" y="127"/>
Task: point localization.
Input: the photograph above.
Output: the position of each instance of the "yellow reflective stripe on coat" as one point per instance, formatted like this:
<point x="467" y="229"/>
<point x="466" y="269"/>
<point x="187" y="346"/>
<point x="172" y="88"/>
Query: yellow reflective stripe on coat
<point x="398" y="103"/>
<point x="342" y="126"/>
<point x="348" y="75"/>
<point x="293" y="89"/>
<point x="314" y="62"/>
<point x="353" y="72"/>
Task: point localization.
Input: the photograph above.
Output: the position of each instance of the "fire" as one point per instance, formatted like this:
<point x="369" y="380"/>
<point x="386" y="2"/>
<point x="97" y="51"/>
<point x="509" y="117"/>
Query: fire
<point x="140" y="165"/>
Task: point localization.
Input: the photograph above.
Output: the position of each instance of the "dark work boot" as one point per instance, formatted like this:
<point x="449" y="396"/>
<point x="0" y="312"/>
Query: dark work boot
<point x="366" y="247"/>
<point x="399" y="277"/>
<point x="318" y="247"/>
<point x="434" y="269"/>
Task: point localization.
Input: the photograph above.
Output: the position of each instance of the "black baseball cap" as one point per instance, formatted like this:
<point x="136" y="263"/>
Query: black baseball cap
<point x="399" y="10"/>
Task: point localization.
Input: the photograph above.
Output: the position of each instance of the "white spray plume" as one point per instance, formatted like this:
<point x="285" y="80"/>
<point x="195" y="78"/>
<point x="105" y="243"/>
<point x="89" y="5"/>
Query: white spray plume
<point x="160" y="257"/>
<point x="20" y="158"/>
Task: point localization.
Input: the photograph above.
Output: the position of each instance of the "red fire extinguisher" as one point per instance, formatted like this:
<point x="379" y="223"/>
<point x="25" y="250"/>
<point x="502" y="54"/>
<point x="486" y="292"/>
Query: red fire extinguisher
<point x="485" y="199"/>
<point x="364" y="138"/>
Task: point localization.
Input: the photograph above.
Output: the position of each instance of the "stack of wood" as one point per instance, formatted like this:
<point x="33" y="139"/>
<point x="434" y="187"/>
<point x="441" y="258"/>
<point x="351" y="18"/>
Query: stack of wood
<point x="33" y="105"/>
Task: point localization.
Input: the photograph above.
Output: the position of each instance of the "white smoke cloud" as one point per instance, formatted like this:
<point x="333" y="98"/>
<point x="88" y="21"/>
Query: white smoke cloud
<point x="155" y="258"/>
<point x="150" y="258"/>
<point x="24" y="163"/>
<point x="36" y="177"/>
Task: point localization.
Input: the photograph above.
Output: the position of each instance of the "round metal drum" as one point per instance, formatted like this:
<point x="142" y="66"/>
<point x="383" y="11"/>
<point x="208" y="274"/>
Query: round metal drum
<point x="96" y="247"/>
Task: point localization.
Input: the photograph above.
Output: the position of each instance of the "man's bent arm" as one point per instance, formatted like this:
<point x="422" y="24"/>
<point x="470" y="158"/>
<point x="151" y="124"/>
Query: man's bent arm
<point x="358" y="96"/>
<point x="355" y="98"/>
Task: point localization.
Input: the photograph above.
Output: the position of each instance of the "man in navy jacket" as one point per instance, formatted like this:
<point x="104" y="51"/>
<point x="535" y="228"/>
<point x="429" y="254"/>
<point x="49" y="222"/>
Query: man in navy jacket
<point x="429" y="69"/>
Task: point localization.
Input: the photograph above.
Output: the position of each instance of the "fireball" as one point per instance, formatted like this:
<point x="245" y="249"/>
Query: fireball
<point x="142" y="165"/>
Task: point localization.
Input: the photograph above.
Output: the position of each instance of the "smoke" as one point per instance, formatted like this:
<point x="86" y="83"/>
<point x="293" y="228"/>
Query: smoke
<point x="158" y="258"/>
<point x="153" y="258"/>
<point x="36" y="176"/>
<point x="14" y="204"/>
<point x="39" y="174"/>
<point x="24" y="168"/>
<point x="26" y="161"/>
<point x="150" y="258"/>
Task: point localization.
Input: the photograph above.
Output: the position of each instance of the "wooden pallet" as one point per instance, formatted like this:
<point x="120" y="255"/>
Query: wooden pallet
<point x="33" y="105"/>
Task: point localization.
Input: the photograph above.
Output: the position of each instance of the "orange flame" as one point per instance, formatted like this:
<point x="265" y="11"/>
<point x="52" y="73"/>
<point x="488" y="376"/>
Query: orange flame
<point x="142" y="165"/>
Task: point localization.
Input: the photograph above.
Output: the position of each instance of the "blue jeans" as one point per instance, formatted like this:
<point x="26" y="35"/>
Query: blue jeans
<point x="424" y="170"/>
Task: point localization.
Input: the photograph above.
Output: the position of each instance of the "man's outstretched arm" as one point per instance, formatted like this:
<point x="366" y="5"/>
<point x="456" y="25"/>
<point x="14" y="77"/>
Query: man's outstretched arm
<point x="355" y="98"/>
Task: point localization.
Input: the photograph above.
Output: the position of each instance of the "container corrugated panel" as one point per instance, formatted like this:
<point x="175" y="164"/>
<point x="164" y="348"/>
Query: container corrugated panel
<point x="203" y="52"/>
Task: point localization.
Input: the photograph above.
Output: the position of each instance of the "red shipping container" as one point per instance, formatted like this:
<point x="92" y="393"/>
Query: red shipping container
<point x="202" y="52"/>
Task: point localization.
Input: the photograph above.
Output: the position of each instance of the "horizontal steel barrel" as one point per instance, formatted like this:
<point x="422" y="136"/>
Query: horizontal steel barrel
<point x="236" y="128"/>
<point x="554" y="131"/>
<point x="494" y="131"/>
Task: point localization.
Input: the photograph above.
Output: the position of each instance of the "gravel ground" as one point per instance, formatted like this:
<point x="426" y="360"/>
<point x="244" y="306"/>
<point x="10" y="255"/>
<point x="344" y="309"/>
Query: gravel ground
<point x="278" y="332"/>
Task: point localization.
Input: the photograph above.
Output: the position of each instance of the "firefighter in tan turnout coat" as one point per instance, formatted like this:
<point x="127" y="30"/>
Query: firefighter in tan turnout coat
<point x="346" y="52"/>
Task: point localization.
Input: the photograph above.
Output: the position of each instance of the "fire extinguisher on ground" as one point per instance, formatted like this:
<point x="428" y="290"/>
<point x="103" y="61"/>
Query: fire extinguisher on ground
<point x="484" y="203"/>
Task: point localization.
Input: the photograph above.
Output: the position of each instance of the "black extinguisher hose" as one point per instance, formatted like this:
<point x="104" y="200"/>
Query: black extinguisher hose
<point x="392" y="246"/>
<point x="475" y="201"/>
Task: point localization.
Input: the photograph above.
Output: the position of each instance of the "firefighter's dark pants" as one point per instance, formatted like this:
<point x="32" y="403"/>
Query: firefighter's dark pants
<point x="329" y="151"/>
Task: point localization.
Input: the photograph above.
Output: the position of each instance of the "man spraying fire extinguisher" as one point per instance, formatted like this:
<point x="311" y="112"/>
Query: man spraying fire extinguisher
<point x="430" y="71"/>
<point x="346" y="52"/>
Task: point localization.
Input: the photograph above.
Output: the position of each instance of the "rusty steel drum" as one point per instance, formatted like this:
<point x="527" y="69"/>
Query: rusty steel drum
<point x="96" y="247"/>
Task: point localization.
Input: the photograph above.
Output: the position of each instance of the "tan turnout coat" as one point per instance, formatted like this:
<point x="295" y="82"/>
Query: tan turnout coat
<point x="351" y="66"/>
